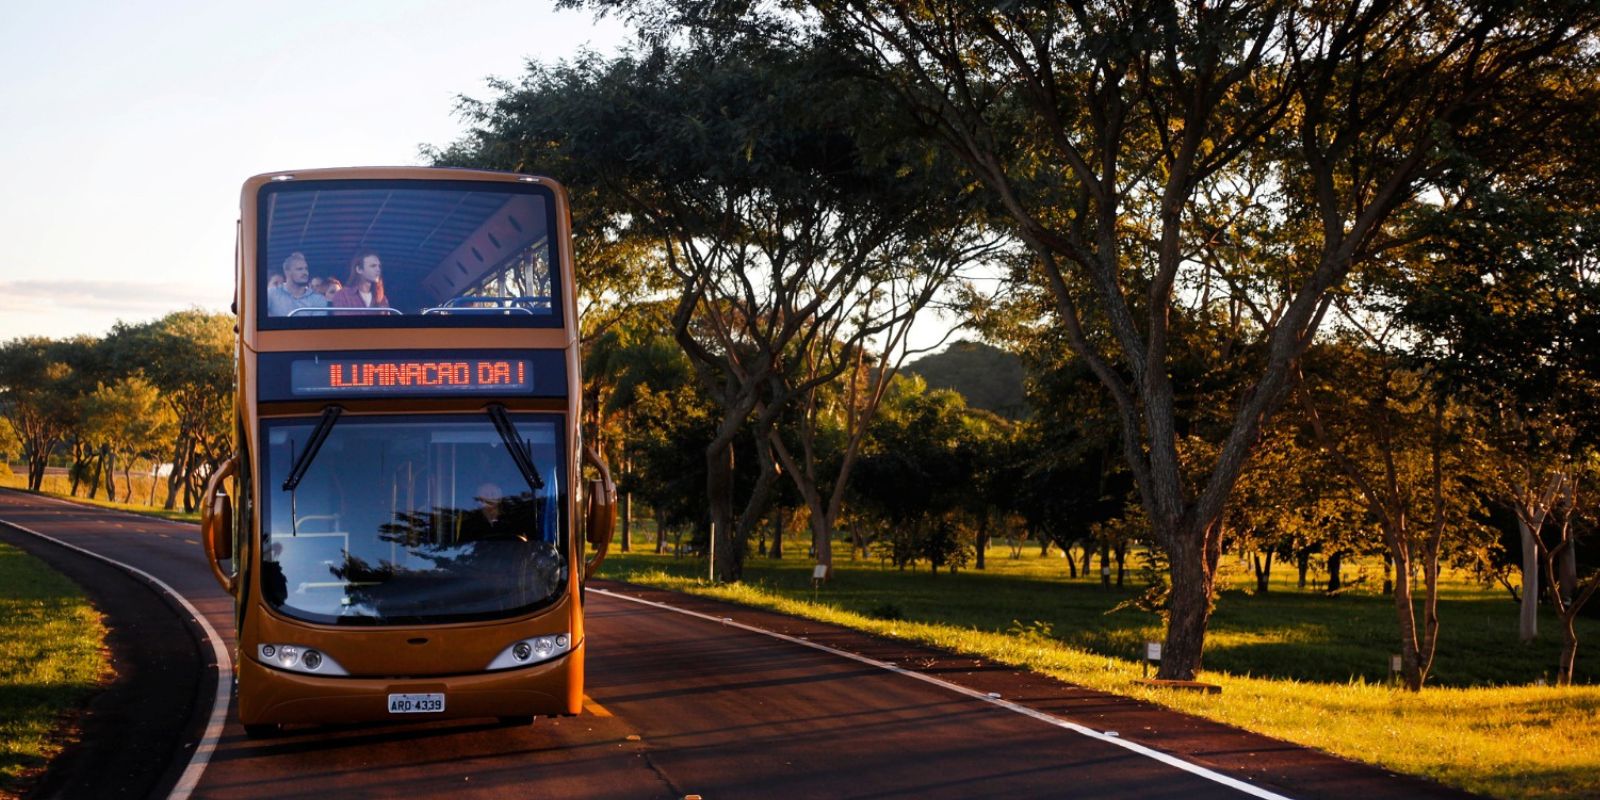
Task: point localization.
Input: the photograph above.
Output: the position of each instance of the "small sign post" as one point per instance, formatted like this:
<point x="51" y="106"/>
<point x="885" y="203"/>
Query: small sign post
<point x="1396" y="664"/>
<point x="1152" y="653"/>
<point x="819" y="574"/>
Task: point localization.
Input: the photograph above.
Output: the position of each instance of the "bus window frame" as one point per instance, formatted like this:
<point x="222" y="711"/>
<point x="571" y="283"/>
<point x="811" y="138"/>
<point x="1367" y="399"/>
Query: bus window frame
<point x="566" y="526"/>
<point x="263" y="270"/>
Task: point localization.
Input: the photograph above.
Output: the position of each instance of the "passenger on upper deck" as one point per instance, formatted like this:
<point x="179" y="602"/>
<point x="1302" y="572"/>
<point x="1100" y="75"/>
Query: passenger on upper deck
<point x="364" y="289"/>
<point x="295" y="291"/>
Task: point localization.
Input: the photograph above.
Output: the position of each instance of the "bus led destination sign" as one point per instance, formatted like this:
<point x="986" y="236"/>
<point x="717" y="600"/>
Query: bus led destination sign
<point x="332" y="377"/>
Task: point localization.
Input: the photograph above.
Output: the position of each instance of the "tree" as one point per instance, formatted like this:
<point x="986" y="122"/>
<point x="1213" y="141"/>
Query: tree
<point x="1414" y="456"/>
<point x="1502" y="294"/>
<point x="1567" y="601"/>
<point x="1098" y="125"/>
<point x="790" y="216"/>
<point x="188" y="356"/>
<point x="128" y="417"/>
<point x="34" y="386"/>
<point x="918" y="472"/>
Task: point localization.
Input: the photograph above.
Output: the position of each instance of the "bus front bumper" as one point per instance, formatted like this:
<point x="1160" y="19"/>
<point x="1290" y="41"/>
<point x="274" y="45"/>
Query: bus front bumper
<point x="267" y="696"/>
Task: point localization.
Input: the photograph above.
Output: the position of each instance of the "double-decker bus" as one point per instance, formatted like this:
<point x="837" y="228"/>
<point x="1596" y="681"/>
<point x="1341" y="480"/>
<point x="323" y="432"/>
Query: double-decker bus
<point x="403" y="524"/>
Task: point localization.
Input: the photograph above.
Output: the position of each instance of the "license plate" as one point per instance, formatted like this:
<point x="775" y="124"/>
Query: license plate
<point x="431" y="703"/>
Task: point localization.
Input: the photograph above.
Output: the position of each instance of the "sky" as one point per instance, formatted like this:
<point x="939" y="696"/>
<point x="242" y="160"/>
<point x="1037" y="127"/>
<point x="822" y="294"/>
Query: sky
<point x="129" y="128"/>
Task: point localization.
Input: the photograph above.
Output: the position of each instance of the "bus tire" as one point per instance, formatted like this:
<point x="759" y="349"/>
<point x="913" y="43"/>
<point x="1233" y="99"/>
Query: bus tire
<point x="264" y="730"/>
<point x="521" y="719"/>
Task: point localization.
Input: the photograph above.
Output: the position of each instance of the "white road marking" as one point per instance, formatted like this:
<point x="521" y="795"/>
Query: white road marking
<point x="219" y="706"/>
<point x="1148" y="752"/>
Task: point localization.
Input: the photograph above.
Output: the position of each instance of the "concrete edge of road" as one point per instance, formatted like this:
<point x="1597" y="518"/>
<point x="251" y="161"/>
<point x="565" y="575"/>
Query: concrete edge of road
<point x="190" y="778"/>
<point x="982" y="697"/>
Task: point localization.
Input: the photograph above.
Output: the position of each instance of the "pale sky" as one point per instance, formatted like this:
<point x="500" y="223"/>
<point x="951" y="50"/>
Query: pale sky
<point x="129" y="127"/>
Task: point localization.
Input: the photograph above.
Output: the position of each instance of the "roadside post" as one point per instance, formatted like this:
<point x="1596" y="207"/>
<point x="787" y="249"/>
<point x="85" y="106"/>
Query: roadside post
<point x="1395" y="667"/>
<point x="819" y="574"/>
<point x="1152" y="654"/>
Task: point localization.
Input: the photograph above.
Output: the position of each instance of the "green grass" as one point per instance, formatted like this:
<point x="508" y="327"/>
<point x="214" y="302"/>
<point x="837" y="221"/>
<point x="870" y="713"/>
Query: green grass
<point x="51" y="659"/>
<point x="61" y="486"/>
<point x="1295" y="665"/>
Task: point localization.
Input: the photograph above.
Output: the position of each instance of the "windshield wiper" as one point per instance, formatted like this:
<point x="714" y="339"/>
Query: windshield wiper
<point x="514" y="445"/>
<point x="330" y="415"/>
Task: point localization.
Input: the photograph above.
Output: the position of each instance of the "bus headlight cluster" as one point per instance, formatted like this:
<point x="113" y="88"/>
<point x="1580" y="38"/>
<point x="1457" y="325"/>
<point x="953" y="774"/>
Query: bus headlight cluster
<point x="296" y="658"/>
<point x="532" y="651"/>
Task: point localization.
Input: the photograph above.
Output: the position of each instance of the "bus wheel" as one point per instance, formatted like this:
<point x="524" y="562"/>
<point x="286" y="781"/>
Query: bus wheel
<point x="526" y="719"/>
<point x="262" y="731"/>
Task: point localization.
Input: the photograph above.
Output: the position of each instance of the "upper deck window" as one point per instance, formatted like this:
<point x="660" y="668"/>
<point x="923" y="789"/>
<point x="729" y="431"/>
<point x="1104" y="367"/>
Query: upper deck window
<point x="407" y="253"/>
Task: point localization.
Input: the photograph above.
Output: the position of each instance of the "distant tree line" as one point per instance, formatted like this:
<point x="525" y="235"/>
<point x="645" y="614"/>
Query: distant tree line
<point x="161" y="391"/>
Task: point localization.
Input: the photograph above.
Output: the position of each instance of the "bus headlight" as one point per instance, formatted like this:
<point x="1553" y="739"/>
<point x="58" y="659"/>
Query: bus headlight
<point x="298" y="658"/>
<point x="532" y="650"/>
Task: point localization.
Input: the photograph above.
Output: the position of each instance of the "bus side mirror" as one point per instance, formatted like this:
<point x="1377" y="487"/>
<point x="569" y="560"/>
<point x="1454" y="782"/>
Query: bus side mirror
<point x="221" y="527"/>
<point x="216" y="522"/>
<point x="601" y="519"/>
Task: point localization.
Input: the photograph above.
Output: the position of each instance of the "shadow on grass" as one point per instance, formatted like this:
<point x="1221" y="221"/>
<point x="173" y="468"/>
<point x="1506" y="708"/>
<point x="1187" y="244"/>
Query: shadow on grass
<point x="1283" y="634"/>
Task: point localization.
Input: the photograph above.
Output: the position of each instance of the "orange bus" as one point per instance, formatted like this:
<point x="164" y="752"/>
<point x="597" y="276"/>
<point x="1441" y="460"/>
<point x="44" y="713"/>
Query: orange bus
<point x="399" y="525"/>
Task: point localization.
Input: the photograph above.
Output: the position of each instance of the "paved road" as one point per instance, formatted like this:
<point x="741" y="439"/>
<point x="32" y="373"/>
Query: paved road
<point x="683" y="704"/>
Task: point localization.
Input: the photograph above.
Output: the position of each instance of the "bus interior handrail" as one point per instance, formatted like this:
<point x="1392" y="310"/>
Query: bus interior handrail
<point x="519" y="304"/>
<point x="337" y="310"/>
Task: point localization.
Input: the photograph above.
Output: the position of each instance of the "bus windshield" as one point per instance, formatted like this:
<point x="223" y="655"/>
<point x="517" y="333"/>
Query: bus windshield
<point x="406" y="253"/>
<point x="414" y="519"/>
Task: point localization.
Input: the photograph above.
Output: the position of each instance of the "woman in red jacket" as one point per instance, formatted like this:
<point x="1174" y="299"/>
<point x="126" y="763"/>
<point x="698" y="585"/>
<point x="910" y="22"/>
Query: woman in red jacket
<point x="364" y="289"/>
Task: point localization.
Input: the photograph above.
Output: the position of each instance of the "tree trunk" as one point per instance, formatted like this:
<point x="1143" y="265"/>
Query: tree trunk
<point x="111" y="477"/>
<point x="1072" y="564"/>
<point x="983" y="536"/>
<point x="776" y="551"/>
<point x="1410" y="669"/>
<point x="719" y="493"/>
<point x="661" y="530"/>
<point x="756" y="507"/>
<point x="1088" y="554"/>
<point x="180" y="456"/>
<point x="1335" y="570"/>
<point x="36" y="465"/>
<point x="1567" y="572"/>
<point x="1388" y="574"/>
<point x="1528" y="617"/>
<point x="1569" y="649"/>
<point x="627" y="522"/>
<point x="1302" y="564"/>
<point x="1122" y="561"/>
<point x="99" y="473"/>
<point x="127" y="480"/>
<point x="1193" y="556"/>
<point x="1263" y="571"/>
<point x="1105" y="565"/>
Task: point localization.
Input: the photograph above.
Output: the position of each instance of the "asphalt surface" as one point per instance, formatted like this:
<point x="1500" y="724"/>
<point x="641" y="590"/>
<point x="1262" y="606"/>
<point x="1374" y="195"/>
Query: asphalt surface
<point x="679" y="705"/>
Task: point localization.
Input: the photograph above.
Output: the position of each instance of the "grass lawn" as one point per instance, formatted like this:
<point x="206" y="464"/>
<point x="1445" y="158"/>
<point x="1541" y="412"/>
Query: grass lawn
<point x="51" y="659"/>
<point x="1296" y="665"/>
<point x="61" y="486"/>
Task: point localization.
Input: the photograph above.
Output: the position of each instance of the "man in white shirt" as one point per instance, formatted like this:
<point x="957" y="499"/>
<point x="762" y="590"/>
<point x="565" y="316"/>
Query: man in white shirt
<point x="295" y="292"/>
